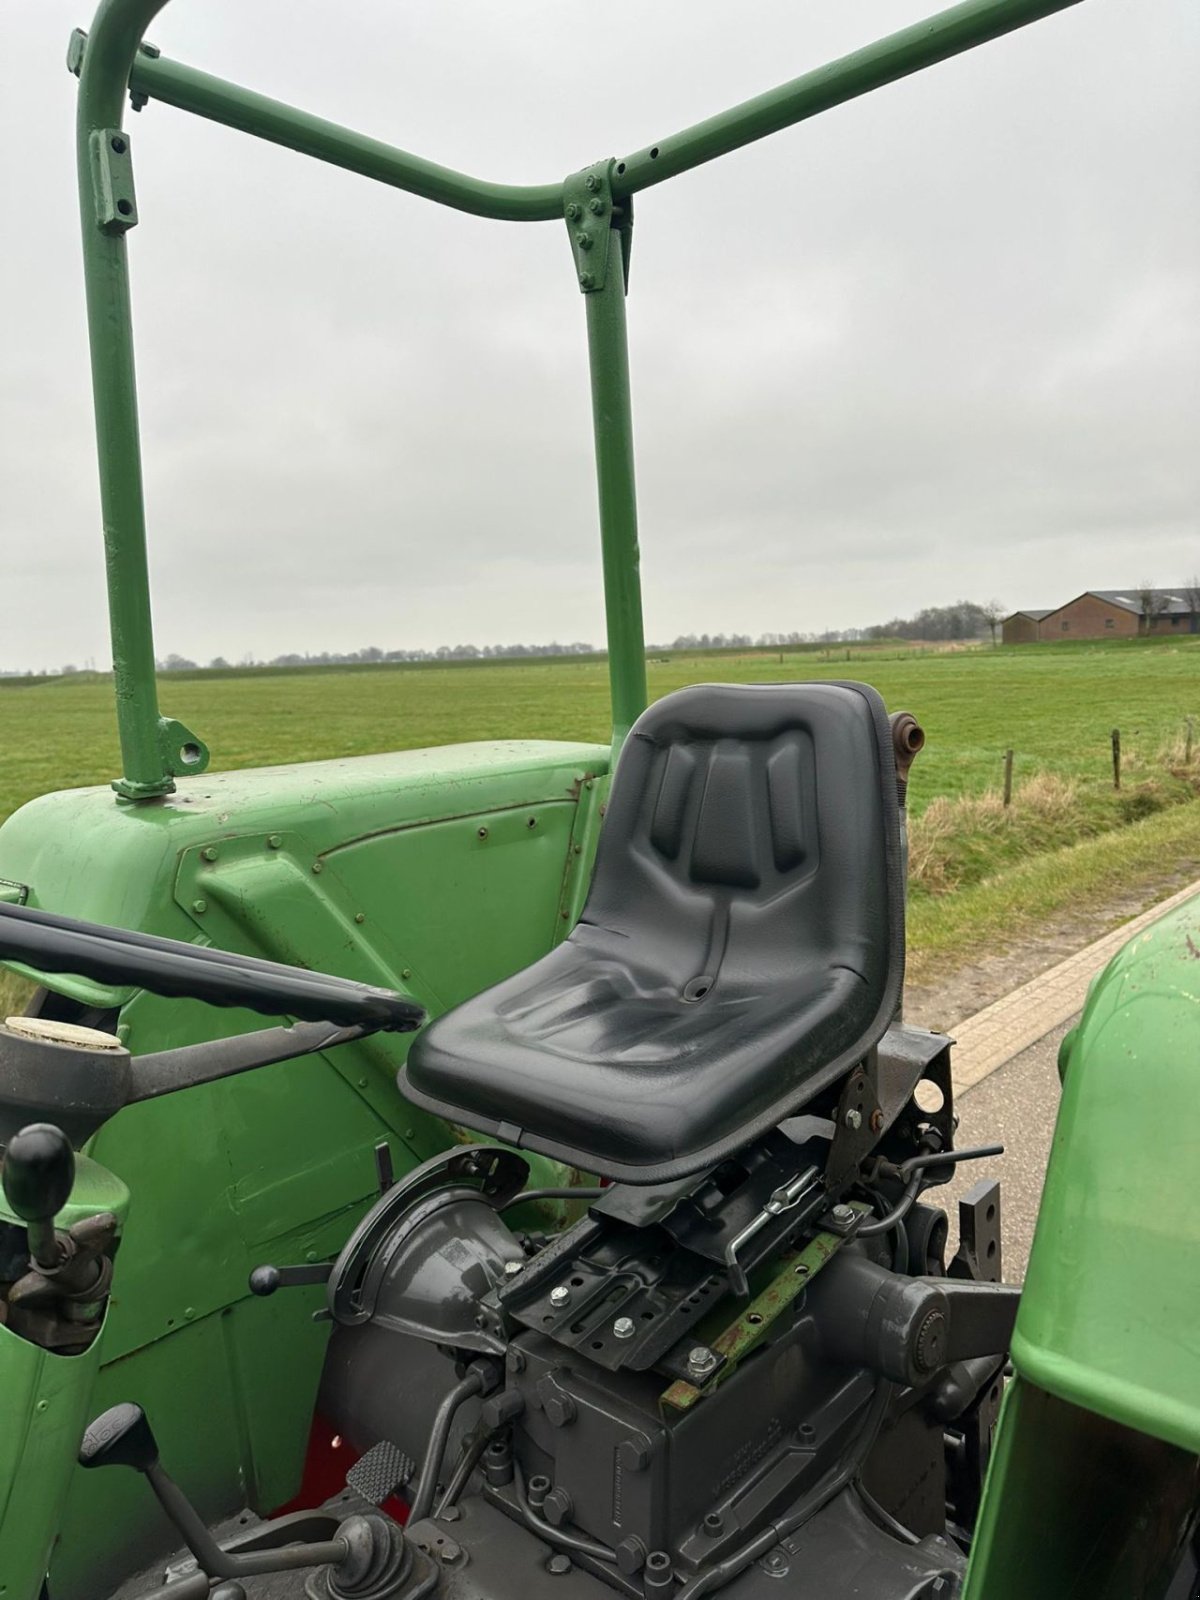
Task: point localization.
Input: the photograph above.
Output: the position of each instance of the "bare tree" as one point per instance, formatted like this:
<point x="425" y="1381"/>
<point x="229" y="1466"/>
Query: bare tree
<point x="1152" y="603"/>
<point x="993" y="613"/>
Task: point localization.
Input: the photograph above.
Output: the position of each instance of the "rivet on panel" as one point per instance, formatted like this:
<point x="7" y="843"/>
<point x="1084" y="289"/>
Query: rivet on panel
<point x="360" y="916"/>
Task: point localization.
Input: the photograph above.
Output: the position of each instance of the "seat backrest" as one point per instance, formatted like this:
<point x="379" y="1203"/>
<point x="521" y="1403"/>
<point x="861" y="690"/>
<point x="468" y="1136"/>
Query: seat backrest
<point x="756" y="828"/>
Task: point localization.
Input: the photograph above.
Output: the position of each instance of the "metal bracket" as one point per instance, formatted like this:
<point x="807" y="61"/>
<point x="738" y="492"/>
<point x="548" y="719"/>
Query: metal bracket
<point x="184" y="755"/>
<point x="859" y="1123"/>
<point x="112" y="180"/>
<point x="588" y="208"/>
<point x="978" y="1253"/>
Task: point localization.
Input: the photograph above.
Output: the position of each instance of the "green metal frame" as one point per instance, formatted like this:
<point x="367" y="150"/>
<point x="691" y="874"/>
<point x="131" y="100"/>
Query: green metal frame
<point x="113" y="60"/>
<point x="439" y="872"/>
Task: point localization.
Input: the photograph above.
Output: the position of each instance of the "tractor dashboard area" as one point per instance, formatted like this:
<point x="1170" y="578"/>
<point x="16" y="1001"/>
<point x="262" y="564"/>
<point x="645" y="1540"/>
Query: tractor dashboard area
<point x="430" y="873"/>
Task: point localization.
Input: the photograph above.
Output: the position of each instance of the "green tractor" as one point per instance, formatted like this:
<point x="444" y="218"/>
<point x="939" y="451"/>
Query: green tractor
<point x="503" y="1170"/>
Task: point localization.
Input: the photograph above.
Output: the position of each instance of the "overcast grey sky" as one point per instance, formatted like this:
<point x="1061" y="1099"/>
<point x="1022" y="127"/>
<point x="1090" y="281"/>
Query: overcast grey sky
<point x="943" y="341"/>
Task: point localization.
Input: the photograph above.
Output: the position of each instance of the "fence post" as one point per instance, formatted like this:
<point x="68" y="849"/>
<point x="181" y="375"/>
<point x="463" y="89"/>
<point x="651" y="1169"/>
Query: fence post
<point x="1008" y="764"/>
<point x="1116" y="747"/>
<point x="1187" y="743"/>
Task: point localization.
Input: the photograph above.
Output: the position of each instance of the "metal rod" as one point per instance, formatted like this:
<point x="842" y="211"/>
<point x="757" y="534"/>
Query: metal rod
<point x="116" y="33"/>
<point x="235" y="107"/>
<point x="612" y="421"/>
<point x="897" y="56"/>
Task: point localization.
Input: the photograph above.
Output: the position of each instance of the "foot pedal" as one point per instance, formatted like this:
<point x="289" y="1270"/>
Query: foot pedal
<point x="384" y="1469"/>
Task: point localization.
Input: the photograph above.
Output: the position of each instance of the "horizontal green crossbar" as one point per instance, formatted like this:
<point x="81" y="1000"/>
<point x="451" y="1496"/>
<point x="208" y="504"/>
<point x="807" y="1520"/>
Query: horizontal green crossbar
<point x="898" y="56"/>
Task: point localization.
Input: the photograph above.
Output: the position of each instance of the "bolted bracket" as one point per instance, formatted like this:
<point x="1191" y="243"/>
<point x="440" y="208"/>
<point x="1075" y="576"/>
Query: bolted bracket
<point x="588" y="209"/>
<point x="183" y="753"/>
<point x="112" y="180"/>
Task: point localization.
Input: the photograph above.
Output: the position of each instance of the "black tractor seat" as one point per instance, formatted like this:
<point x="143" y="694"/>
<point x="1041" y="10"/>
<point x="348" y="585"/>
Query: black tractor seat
<point x="742" y="945"/>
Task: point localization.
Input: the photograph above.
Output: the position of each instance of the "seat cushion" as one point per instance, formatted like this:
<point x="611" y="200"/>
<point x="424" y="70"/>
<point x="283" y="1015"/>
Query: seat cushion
<point x="741" y="946"/>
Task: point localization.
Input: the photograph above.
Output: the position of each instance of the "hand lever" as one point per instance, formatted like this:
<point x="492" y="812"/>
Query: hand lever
<point x="38" y="1175"/>
<point x="122" y="1437"/>
<point x="266" y="1279"/>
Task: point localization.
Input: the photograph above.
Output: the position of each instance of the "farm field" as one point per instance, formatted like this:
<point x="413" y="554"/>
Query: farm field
<point x="1066" y="835"/>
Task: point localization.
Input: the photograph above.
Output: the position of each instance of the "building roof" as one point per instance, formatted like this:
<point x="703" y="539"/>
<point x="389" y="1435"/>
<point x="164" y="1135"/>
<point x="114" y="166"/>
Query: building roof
<point x="1169" y="601"/>
<point x="1033" y="615"/>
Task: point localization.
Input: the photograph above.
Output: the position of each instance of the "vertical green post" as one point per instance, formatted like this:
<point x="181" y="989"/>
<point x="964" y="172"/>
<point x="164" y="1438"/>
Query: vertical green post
<point x="612" y="421"/>
<point x="152" y="748"/>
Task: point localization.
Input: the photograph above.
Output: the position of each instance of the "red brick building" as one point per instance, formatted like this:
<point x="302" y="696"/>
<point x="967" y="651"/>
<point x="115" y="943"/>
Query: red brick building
<point x="1023" y="627"/>
<point x="1107" y="614"/>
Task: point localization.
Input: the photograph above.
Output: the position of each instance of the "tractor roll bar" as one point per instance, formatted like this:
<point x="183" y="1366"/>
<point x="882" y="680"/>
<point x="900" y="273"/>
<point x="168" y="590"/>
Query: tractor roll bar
<point x="113" y="59"/>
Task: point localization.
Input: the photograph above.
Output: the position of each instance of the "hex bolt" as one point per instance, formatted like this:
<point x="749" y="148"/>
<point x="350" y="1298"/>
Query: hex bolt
<point x="559" y="1564"/>
<point x="360" y="917"/>
<point x="587" y="280"/>
<point x="318" y="866"/>
<point x="557" y="1508"/>
<point x="199" y="907"/>
<point x="634" y="1454"/>
<point x="596" y="207"/>
<point x="631" y="1555"/>
<point x="876" y="1120"/>
<point x="591" y="182"/>
<point x="714" y="1523"/>
<point x="623" y="1328"/>
<point x="701" y="1361"/>
<point x="560" y="1296"/>
<point x="775" y="1563"/>
<point x="854" y="1118"/>
<point x="573" y="212"/>
<point x="511" y="1268"/>
<point x="274" y="841"/>
<point x="584" y="241"/>
<point x="209" y="853"/>
<point x="842" y="1215"/>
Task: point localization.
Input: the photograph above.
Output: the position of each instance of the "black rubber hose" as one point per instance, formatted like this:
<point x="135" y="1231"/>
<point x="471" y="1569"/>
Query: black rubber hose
<point x="913" y="1171"/>
<point x="439" y="1437"/>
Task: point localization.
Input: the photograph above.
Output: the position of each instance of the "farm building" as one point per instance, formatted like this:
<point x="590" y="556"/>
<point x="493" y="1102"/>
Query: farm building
<point x="1108" y="613"/>
<point x="1024" y="627"/>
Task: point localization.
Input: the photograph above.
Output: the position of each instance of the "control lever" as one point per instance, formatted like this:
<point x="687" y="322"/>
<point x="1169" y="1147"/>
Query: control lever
<point x="363" y="1546"/>
<point x="39" y="1173"/>
<point x="266" y="1279"/>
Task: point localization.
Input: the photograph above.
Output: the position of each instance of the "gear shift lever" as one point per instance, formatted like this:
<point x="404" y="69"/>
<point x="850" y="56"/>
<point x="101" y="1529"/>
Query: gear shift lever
<point x="122" y="1437"/>
<point x="39" y="1172"/>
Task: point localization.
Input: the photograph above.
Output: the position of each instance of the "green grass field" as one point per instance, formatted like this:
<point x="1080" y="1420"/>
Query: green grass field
<point x="1054" y="705"/>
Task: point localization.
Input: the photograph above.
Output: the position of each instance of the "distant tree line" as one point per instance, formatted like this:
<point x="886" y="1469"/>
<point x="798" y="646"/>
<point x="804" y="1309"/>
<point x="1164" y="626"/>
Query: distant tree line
<point x="964" y="620"/>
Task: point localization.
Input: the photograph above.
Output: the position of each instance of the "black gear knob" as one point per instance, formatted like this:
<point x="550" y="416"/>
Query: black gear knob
<point x="120" y="1437"/>
<point x="38" y="1175"/>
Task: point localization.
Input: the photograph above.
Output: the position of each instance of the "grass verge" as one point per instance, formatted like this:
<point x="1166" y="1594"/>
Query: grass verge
<point x="998" y="910"/>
